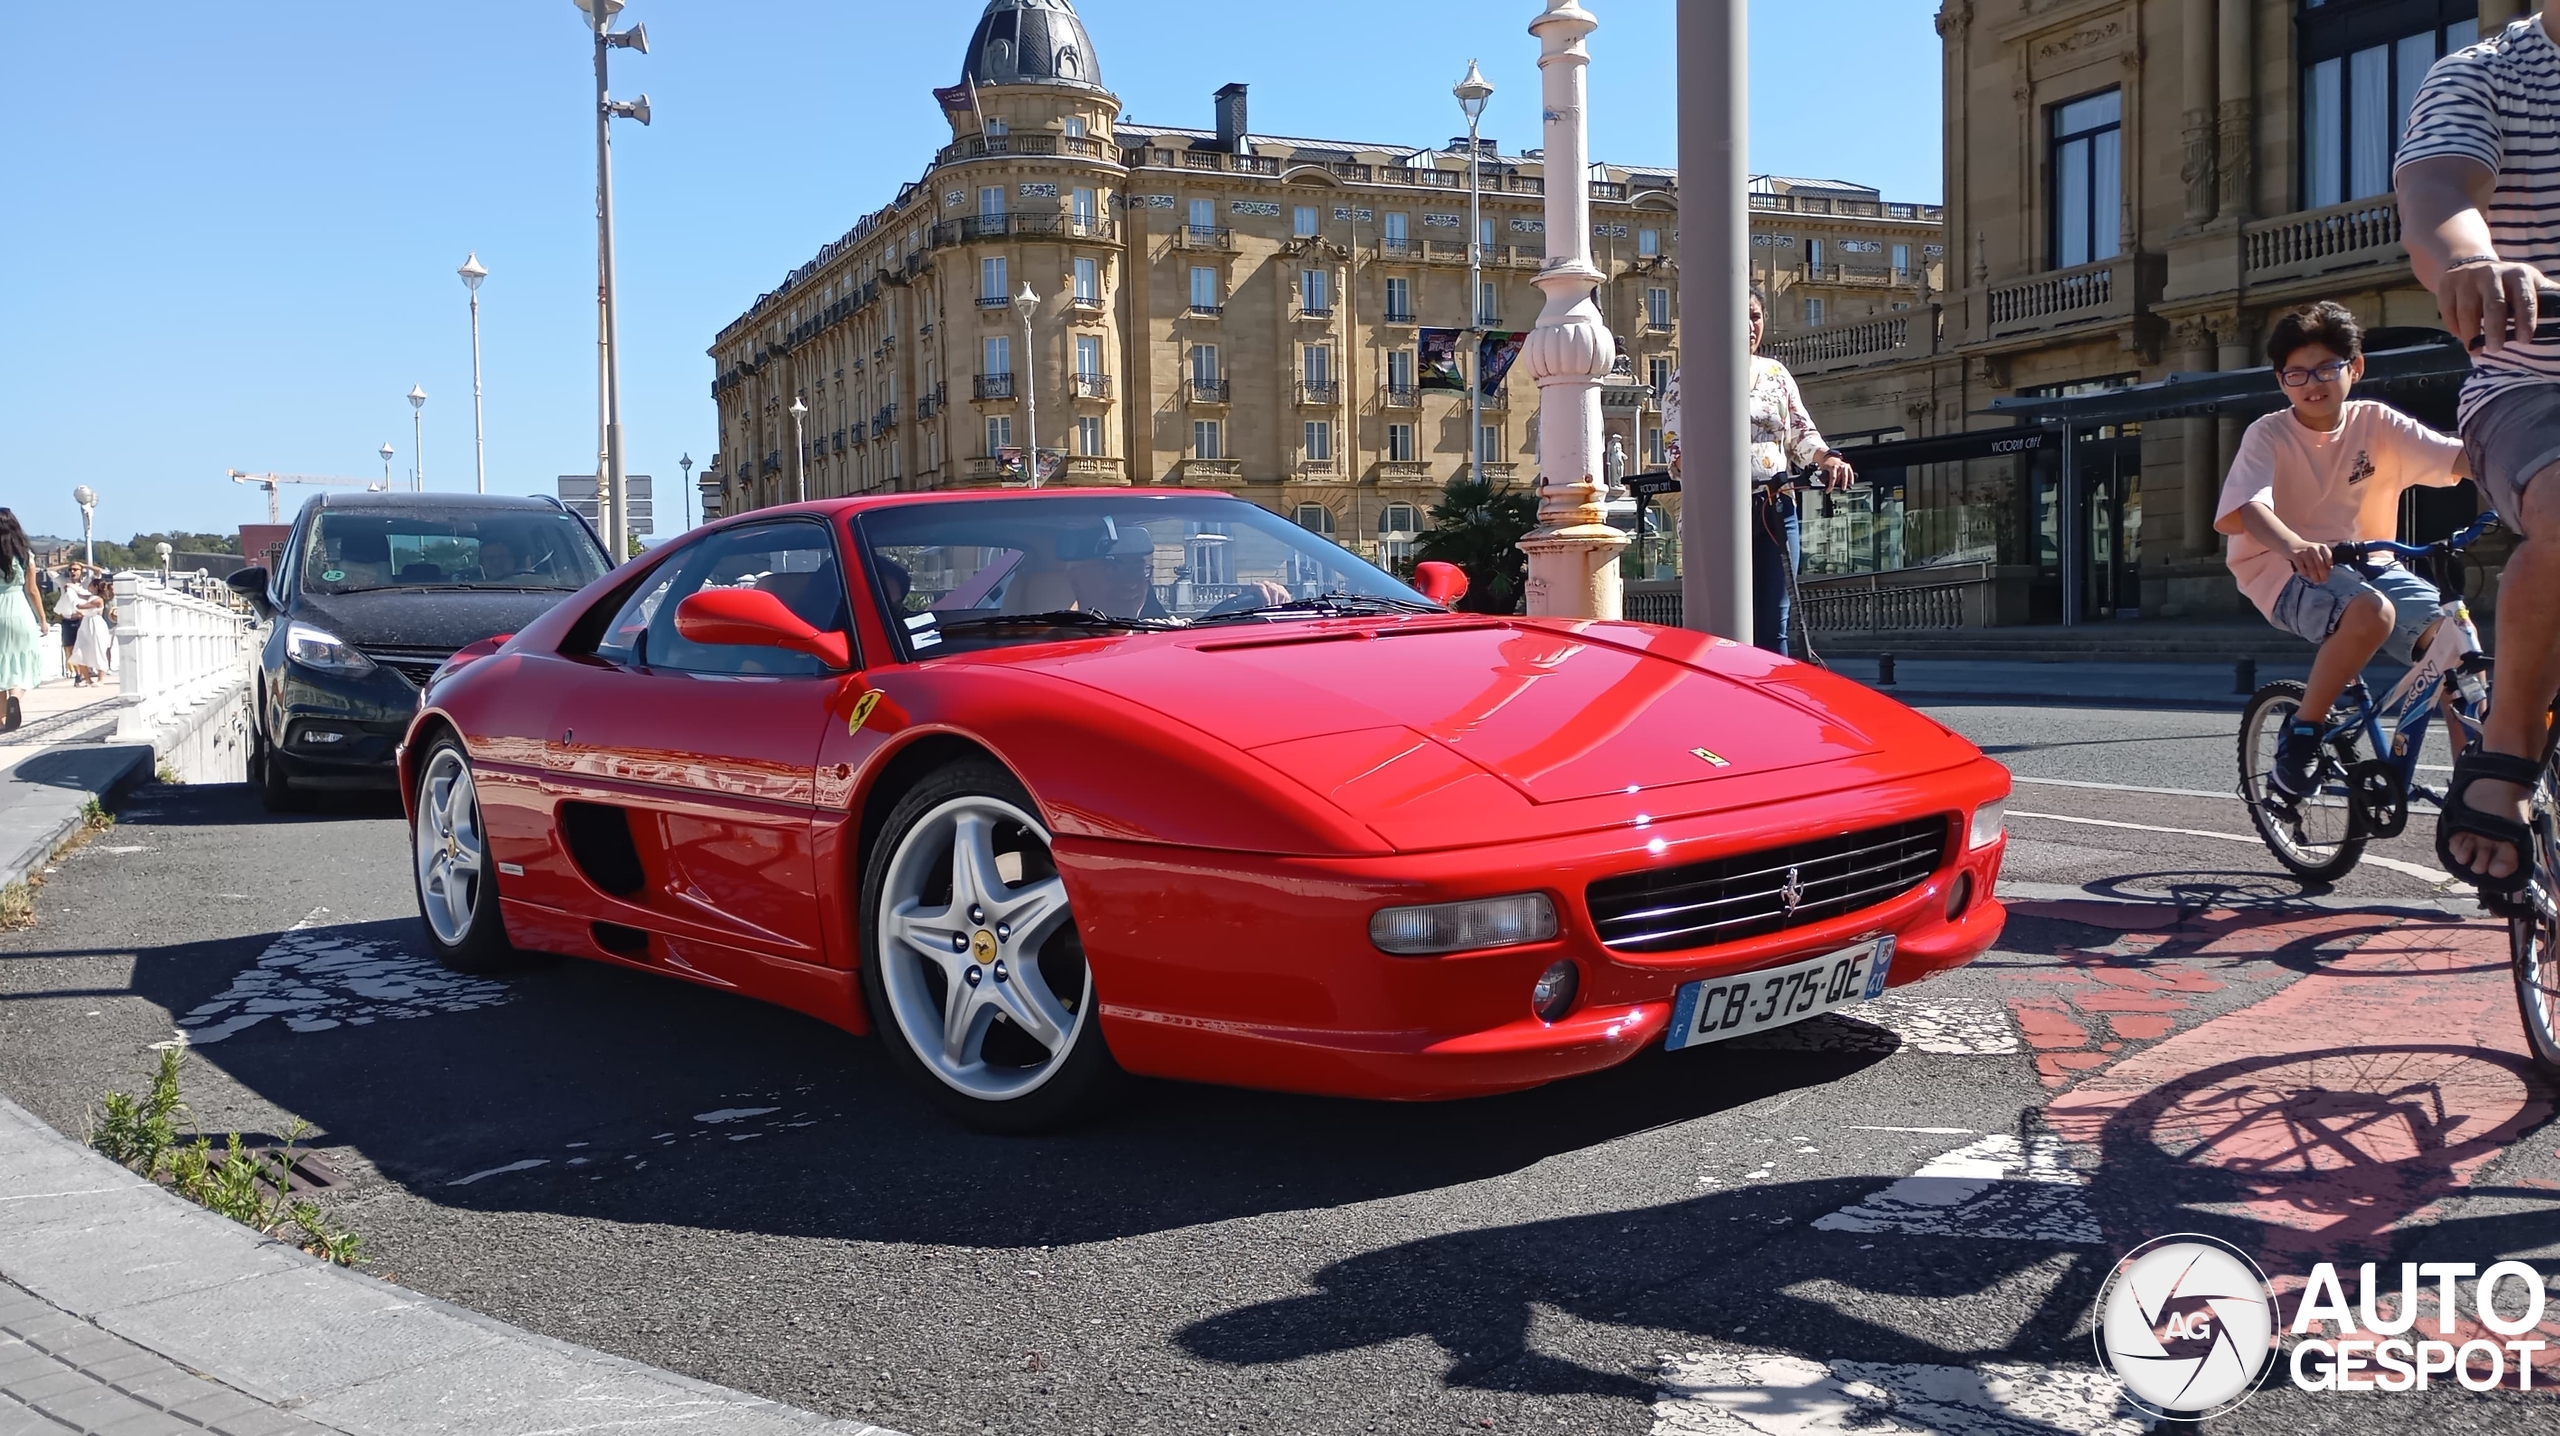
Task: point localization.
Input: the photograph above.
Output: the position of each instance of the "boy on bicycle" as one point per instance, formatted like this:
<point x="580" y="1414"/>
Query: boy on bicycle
<point x="2329" y="470"/>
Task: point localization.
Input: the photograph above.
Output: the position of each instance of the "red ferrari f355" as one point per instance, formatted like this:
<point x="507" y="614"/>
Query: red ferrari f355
<point x="1046" y="786"/>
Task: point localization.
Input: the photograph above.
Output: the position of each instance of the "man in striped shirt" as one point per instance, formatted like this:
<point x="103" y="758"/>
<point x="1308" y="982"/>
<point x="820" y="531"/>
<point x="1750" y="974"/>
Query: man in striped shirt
<point x="2479" y="184"/>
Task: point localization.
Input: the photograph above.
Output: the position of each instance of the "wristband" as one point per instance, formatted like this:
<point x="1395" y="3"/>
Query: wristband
<point x="2470" y="259"/>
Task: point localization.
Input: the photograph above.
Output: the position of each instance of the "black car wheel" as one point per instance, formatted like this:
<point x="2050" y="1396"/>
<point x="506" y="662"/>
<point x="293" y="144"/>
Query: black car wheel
<point x="275" y="790"/>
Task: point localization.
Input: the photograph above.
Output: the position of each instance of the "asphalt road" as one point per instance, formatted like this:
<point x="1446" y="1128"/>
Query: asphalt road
<point x="747" y="1197"/>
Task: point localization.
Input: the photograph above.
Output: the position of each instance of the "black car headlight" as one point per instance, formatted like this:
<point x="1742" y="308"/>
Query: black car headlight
<point x="319" y="648"/>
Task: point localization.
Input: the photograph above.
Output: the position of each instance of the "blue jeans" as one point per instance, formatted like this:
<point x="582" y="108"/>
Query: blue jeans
<point x="1777" y="551"/>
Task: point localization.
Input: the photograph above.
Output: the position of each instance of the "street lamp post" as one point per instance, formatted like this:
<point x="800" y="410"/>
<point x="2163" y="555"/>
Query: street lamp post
<point x="1573" y="553"/>
<point x="387" y="452"/>
<point x="418" y="440"/>
<point x="1715" y="319"/>
<point x="87" y="498"/>
<point x="472" y="274"/>
<point x="1472" y="93"/>
<point x="686" y="464"/>
<point x="799" y="448"/>
<point x="1030" y="303"/>
<point x="615" y="503"/>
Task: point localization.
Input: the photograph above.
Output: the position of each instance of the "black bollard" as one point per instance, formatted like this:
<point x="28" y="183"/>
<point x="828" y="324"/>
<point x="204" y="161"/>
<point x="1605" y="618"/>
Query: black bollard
<point x="1884" y="671"/>
<point x="2244" y="676"/>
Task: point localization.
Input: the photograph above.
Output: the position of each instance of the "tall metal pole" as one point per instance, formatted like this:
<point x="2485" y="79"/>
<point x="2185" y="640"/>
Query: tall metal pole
<point x="472" y="274"/>
<point x="614" y="503"/>
<point x="799" y="450"/>
<point x="686" y="464"/>
<point x="1030" y="303"/>
<point x="1715" y="243"/>
<point x="1574" y="551"/>
<point x="418" y="441"/>
<point x="1475" y="286"/>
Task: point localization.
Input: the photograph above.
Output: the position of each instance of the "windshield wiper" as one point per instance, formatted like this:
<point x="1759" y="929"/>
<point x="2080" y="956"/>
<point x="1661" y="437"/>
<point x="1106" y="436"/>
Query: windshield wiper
<point x="1331" y="605"/>
<point x="1062" y="618"/>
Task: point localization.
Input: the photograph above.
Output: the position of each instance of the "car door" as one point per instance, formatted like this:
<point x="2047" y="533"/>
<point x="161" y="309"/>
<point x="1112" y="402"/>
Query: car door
<point x="688" y="771"/>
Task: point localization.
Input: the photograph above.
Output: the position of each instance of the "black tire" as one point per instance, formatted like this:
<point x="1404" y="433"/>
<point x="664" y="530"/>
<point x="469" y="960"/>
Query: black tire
<point x="1078" y="1082"/>
<point x="2321" y="839"/>
<point x="477" y="943"/>
<point x="2534" y="942"/>
<point x="276" y="792"/>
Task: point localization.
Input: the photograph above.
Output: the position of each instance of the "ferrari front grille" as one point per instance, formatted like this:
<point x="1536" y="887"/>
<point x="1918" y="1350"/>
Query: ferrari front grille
<point x="1772" y="890"/>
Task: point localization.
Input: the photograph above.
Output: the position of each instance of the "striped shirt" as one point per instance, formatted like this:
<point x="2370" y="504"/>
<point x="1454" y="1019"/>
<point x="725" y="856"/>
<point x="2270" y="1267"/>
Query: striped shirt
<point x="2498" y="103"/>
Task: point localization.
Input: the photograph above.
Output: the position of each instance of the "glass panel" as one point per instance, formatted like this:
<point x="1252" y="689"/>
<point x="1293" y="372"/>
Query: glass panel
<point x="1204" y="363"/>
<point x="2083" y="115"/>
<point x="1088" y="354"/>
<point x="2413" y="57"/>
<point x="1204" y="214"/>
<point x="2106" y="195"/>
<point x="999" y="354"/>
<point x="2323" y="134"/>
<point x="796" y="563"/>
<point x="2369" y="108"/>
<point x="2461" y="35"/>
<point x="2071" y="205"/>
<point x="352" y="550"/>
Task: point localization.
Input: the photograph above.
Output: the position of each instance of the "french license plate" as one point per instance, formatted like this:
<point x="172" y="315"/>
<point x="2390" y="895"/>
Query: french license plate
<point x="1717" y="1008"/>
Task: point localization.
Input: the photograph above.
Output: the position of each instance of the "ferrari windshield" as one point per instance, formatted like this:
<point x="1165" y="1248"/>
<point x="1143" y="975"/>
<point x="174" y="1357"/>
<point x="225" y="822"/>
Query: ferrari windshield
<point x="353" y="550"/>
<point x="969" y="574"/>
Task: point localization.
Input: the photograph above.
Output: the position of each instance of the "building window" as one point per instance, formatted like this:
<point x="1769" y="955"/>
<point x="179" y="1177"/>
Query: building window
<point x="2360" y="76"/>
<point x="1657" y="372"/>
<point x="1319" y="441"/>
<point x="1399" y="519"/>
<point x="1075" y="127"/>
<point x="1657" y="310"/>
<point x="1488" y="305"/>
<point x="1204" y="288"/>
<point x="1089" y="436"/>
<point x="1901" y="259"/>
<point x="999" y="434"/>
<point x="1400" y="363"/>
<point x="1648" y="243"/>
<point x="991" y="279"/>
<point x="1089" y="356"/>
<point x="1088" y="281"/>
<point x="1399" y="301"/>
<point x="1401" y="447"/>
<point x="1084" y="210"/>
<point x="1484" y="233"/>
<point x="1813" y="258"/>
<point x="991" y="202"/>
<point x="1655" y="454"/>
<point x="1813" y="314"/>
<point x="1316" y="361"/>
<point x="1395" y="228"/>
<point x="1204" y="439"/>
<point x="2088" y="179"/>
<point x="1315" y="291"/>
<point x="1204" y="364"/>
<point x="1315" y="519"/>
<point x="1204" y="214"/>
<point x="1302" y="221"/>
<point x="1489" y="443"/>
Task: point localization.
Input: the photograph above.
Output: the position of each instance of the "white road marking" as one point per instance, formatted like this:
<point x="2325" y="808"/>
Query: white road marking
<point x="1769" y="1394"/>
<point x="2416" y="870"/>
<point x="734" y="1114"/>
<point x="526" y="1165"/>
<point x="1995" y="1187"/>
<point x="313" y="979"/>
<point x="2121" y="788"/>
<point x="1924" y="1131"/>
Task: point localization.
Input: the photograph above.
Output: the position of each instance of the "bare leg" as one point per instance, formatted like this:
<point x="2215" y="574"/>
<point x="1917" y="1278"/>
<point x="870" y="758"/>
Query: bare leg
<point x="2352" y="644"/>
<point x="2528" y="670"/>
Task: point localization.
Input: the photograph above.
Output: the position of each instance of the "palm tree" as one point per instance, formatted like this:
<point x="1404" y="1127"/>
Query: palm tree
<point x="1478" y="525"/>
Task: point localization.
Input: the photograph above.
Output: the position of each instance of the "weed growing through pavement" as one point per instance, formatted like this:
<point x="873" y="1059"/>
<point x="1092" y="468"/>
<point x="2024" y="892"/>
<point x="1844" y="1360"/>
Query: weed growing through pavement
<point x="18" y="899"/>
<point x="255" y="1189"/>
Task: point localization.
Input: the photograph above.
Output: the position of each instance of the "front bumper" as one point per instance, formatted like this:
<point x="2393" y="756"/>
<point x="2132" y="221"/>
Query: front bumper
<point x="338" y="730"/>
<point x="1258" y="971"/>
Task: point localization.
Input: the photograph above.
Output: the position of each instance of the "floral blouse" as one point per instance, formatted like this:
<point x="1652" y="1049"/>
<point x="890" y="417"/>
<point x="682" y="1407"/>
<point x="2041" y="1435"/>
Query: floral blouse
<point x="1782" y="433"/>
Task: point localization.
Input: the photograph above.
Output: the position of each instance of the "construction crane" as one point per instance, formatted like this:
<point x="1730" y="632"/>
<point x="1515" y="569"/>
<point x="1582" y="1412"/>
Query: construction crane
<point x="269" y="481"/>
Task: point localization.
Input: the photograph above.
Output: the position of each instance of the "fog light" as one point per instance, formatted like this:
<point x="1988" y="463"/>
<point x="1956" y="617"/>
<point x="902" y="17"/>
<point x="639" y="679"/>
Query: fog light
<point x="1464" y="926"/>
<point x="1553" y="997"/>
<point x="1960" y="899"/>
<point x="1989" y="822"/>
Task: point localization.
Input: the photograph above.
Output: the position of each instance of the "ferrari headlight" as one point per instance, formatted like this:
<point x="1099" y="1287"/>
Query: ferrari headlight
<point x="1464" y="926"/>
<point x="319" y="648"/>
<point x="1989" y="822"/>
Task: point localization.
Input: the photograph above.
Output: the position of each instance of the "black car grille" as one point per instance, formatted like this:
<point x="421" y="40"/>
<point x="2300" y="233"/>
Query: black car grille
<point x="1746" y="896"/>
<point x="416" y="665"/>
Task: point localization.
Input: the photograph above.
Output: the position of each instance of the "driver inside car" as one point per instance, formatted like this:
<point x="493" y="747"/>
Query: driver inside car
<point x="1112" y="570"/>
<point x="498" y="559"/>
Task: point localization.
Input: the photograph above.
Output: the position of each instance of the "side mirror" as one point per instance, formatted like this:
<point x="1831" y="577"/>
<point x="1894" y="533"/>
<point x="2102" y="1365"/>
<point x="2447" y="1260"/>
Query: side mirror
<point x="251" y="584"/>
<point x="752" y="618"/>
<point x="1442" y="583"/>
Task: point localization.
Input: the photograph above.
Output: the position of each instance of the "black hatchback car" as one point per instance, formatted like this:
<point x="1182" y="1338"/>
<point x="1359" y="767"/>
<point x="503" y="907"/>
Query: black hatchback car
<point x="372" y="593"/>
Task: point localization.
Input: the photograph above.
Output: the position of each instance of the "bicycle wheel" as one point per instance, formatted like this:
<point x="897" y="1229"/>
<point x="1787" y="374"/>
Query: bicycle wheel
<point x="2535" y="941"/>
<point x="2317" y="838"/>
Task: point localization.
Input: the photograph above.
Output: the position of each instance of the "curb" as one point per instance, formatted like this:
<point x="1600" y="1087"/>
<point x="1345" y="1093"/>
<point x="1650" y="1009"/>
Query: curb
<point x="325" y="1345"/>
<point x="35" y="822"/>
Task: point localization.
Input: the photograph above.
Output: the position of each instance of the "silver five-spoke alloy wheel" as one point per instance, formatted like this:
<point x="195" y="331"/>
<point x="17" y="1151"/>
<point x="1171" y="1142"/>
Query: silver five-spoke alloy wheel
<point x="451" y="853"/>
<point x="977" y="956"/>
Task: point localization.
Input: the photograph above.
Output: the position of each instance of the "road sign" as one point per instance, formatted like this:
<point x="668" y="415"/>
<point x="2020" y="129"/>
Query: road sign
<point x="578" y="491"/>
<point x="1646" y="486"/>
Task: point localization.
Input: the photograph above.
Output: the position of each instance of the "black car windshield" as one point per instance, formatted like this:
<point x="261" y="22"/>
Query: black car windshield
<point x="356" y="550"/>
<point x="969" y="574"/>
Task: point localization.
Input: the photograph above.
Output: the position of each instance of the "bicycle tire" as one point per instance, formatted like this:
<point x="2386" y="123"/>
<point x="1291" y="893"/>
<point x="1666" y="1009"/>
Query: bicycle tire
<point x="2534" y="942"/>
<point x="2309" y="860"/>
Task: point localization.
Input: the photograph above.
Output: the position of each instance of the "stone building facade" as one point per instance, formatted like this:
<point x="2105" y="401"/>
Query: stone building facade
<point x="1228" y="310"/>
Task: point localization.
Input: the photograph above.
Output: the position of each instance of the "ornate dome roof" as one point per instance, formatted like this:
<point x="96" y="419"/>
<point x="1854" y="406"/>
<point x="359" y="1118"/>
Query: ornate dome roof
<point x="1032" y="42"/>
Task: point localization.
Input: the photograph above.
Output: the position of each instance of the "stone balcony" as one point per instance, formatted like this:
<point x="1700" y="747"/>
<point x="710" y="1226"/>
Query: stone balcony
<point x="1852" y="346"/>
<point x="2317" y="243"/>
<point x="1210" y="473"/>
<point x="2110" y="291"/>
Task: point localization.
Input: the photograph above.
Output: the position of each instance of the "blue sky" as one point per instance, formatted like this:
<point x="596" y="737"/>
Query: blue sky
<point x="234" y="228"/>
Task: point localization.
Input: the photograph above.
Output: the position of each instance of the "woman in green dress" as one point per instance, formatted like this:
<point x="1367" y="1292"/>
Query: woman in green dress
<point x="22" y="624"/>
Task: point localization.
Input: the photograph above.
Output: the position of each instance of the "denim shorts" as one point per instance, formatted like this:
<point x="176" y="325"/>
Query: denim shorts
<point x="2311" y="610"/>
<point x="2510" y="440"/>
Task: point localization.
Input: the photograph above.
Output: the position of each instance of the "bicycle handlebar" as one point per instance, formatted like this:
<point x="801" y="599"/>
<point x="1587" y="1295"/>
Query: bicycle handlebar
<point x="2353" y="553"/>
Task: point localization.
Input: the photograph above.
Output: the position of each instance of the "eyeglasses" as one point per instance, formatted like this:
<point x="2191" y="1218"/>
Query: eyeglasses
<point x="2326" y="373"/>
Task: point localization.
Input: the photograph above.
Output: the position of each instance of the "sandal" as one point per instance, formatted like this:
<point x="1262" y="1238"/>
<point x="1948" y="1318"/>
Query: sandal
<point x="2506" y="896"/>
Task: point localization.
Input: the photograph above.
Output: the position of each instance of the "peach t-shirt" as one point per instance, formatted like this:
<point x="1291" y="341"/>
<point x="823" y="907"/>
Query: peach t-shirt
<point x="2343" y="486"/>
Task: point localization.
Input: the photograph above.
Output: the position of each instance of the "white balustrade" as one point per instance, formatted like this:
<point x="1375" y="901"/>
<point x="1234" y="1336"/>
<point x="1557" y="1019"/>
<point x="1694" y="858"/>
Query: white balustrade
<point x="170" y="642"/>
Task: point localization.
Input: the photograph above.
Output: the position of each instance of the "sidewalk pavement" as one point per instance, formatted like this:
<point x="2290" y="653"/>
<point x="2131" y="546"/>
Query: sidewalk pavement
<point x="2091" y="684"/>
<point x="58" y="760"/>
<point x="126" y="1310"/>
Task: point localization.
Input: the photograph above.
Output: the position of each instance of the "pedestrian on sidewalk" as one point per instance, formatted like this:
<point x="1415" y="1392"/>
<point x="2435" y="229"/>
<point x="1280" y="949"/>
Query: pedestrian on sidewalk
<point x="2329" y="470"/>
<point x="94" y="655"/>
<point x="1783" y="439"/>
<point x="22" y="623"/>
<point x="67" y="598"/>
<point x="2478" y="179"/>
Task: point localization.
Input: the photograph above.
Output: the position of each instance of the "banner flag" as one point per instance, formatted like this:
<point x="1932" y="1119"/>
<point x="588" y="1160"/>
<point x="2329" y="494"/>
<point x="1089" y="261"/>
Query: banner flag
<point x="1498" y="351"/>
<point x="1440" y="361"/>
